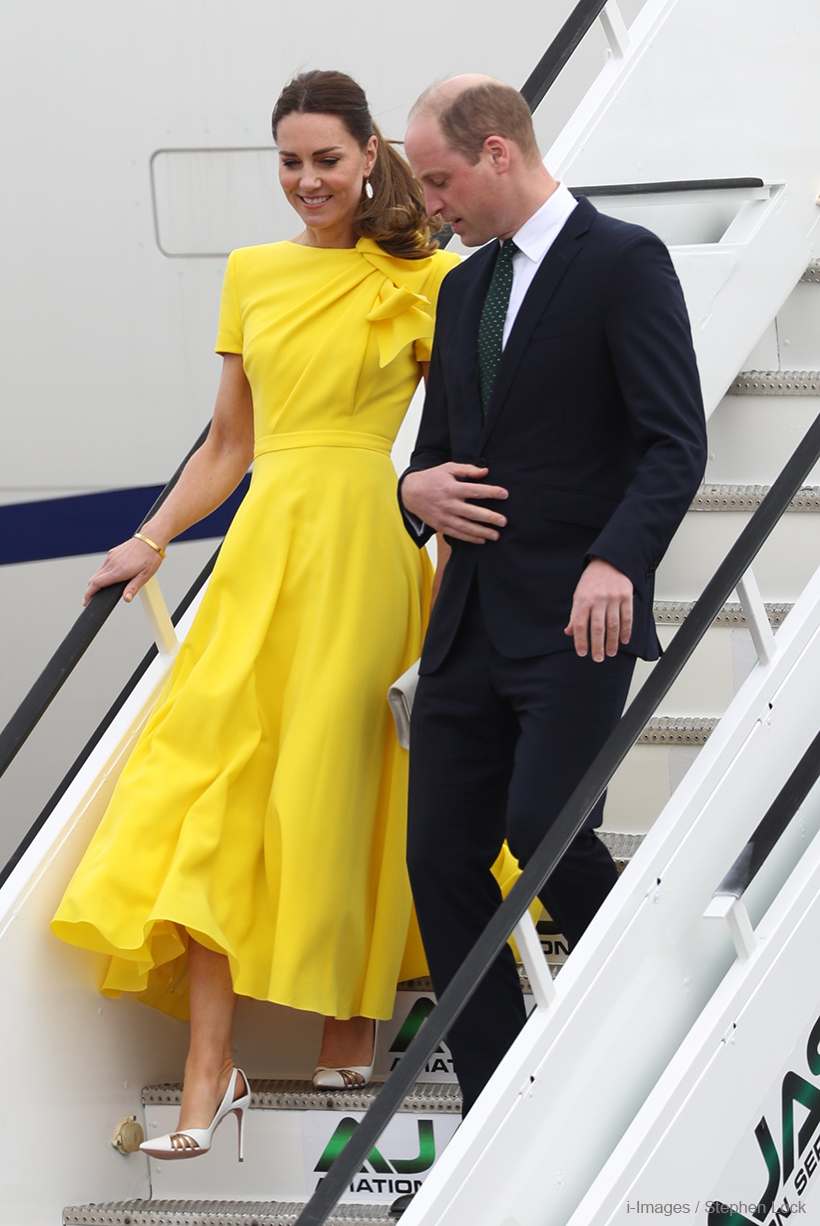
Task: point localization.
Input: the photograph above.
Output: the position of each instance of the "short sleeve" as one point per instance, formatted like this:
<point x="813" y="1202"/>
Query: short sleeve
<point x="443" y="262"/>
<point x="229" y="334"/>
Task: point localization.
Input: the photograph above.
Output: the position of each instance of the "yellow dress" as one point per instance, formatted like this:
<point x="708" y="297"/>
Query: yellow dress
<point x="263" y="808"/>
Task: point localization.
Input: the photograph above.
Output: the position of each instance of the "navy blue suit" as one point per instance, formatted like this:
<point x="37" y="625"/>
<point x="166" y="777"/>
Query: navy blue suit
<point x="595" y="427"/>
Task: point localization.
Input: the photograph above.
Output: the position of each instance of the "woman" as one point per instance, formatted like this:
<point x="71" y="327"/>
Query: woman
<point x="255" y="842"/>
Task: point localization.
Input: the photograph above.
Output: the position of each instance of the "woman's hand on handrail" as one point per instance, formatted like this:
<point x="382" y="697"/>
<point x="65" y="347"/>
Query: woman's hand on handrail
<point x="210" y="476"/>
<point x="132" y="561"/>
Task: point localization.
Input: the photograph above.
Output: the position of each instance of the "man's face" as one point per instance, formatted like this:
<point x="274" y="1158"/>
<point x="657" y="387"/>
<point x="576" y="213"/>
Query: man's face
<point x="465" y="195"/>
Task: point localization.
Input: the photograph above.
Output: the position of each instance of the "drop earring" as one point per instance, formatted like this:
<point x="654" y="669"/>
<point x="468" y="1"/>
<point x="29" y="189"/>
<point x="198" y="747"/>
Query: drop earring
<point x="368" y="189"/>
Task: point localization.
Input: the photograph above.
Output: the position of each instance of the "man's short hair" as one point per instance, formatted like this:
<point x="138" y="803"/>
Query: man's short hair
<point x="490" y="108"/>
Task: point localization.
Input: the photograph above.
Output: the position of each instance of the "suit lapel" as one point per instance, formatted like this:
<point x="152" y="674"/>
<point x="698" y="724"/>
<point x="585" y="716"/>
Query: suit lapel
<point x="549" y="276"/>
<point x="482" y="264"/>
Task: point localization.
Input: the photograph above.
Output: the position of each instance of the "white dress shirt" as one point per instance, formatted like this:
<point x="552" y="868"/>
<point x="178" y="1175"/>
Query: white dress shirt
<point x="533" y="241"/>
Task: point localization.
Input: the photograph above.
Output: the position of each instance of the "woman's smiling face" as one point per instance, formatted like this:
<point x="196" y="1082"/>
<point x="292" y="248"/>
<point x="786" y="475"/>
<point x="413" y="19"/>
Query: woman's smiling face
<point x="321" y="170"/>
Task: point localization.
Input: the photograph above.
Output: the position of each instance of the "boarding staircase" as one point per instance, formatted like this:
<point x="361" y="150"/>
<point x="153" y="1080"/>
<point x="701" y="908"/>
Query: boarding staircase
<point x="653" y="1067"/>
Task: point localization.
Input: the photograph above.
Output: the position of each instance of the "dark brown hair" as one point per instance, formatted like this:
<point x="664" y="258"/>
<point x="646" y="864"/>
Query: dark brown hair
<point x="488" y="109"/>
<point x="396" y="217"/>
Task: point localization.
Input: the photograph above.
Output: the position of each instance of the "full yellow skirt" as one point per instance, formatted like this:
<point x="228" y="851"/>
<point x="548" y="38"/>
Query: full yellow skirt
<point x="263" y="810"/>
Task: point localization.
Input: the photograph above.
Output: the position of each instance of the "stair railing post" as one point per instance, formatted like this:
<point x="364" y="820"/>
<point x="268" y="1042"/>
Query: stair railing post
<point x="733" y="910"/>
<point x="534" y="963"/>
<point x="159" y="619"/>
<point x="757" y="618"/>
<point x="615" y="29"/>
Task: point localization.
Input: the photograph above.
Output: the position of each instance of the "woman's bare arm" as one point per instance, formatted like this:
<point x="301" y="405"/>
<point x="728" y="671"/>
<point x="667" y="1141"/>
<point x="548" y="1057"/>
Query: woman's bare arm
<point x="210" y="476"/>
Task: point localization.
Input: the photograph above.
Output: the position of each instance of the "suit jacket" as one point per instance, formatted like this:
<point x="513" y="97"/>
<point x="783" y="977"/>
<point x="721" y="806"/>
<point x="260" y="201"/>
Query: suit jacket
<point x="595" y="426"/>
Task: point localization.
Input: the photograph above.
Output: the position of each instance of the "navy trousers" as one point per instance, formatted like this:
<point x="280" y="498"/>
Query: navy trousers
<point x="497" y="747"/>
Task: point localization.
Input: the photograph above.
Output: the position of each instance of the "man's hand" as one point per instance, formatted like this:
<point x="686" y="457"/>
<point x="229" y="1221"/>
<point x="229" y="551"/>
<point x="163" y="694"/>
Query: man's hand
<point x="441" y="496"/>
<point x="601" y="615"/>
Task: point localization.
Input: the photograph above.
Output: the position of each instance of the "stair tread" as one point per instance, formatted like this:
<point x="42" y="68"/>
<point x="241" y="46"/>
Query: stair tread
<point x="292" y="1095"/>
<point x="220" y="1213"/>
<point x="721" y="497"/>
<point x="776" y="382"/>
<point x="620" y="846"/>
<point x="678" y="730"/>
<point x="674" y="612"/>
<point x="812" y="273"/>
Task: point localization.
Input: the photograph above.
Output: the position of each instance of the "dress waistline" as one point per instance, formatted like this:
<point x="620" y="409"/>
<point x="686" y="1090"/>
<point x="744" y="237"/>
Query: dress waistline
<point x="322" y="438"/>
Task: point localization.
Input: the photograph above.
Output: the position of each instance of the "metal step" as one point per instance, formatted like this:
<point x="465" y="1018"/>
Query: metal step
<point x="677" y="730"/>
<point x="215" y="1213"/>
<point x="812" y="273"/>
<point x="776" y="383"/>
<point x="285" y="1095"/>
<point x="621" y="847"/>
<point x="674" y="612"/>
<point x="749" y="497"/>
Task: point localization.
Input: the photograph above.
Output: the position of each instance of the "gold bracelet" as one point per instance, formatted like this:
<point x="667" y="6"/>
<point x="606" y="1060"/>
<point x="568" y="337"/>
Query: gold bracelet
<point x="155" y="547"/>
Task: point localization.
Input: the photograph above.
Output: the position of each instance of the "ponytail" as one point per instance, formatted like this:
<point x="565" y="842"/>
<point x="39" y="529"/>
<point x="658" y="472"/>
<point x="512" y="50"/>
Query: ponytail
<point x="395" y="218"/>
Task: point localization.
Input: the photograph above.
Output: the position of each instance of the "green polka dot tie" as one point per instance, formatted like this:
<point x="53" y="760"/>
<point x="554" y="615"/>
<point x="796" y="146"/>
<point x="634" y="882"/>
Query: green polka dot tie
<point x="493" y="317"/>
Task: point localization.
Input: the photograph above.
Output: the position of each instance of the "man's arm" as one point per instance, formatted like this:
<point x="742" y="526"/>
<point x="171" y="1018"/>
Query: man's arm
<point x="434" y="492"/>
<point x="651" y="348"/>
<point x="439" y="497"/>
<point x="432" y="442"/>
<point x="650" y="343"/>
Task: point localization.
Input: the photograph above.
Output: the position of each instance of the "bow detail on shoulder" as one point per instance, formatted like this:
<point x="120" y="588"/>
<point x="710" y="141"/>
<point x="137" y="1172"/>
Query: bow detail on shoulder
<point x="400" y="314"/>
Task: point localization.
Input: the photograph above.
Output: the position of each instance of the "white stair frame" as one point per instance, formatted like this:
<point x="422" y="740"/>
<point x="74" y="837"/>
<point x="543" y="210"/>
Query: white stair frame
<point x="733" y="1053"/>
<point x="627" y="49"/>
<point x="733" y="288"/>
<point x="649" y="964"/>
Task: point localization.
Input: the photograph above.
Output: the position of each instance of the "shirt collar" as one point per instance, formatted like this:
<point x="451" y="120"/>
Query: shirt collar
<point x="539" y="232"/>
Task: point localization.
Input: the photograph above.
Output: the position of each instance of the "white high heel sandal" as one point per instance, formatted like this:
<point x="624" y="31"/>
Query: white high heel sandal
<point x="346" y="1078"/>
<point x="196" y="1141"/>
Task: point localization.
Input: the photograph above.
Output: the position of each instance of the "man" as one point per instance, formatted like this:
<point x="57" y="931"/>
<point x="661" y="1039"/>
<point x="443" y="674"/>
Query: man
<point x="561" y="442"/>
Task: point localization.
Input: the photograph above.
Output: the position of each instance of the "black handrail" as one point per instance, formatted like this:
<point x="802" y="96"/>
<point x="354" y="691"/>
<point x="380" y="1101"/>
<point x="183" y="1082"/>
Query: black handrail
<point x="560" y="50"/>
<point x="674" y="185"/>
<point x="778" y="817"/>
<point x="106" y="722"/>
<point x="73" y="647"/>
<point x="563" y="831"/>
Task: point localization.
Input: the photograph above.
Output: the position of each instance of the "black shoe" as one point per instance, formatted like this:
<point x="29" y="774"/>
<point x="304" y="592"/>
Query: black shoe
<point x="401" y="1203"/>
